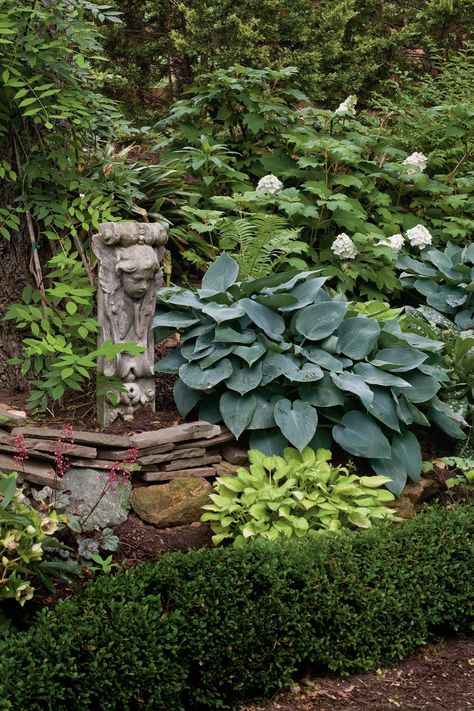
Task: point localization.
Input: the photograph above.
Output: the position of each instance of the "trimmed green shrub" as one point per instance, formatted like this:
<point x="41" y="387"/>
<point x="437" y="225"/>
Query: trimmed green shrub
<point x="206" y="629"/>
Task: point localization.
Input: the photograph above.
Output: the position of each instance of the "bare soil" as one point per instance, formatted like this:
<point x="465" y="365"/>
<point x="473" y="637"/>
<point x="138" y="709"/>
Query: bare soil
<point x="437" y="678"/>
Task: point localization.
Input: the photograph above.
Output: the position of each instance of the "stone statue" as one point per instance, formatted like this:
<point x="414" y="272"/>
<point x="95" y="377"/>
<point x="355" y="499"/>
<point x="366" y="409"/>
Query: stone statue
<point x="129" y="255"/>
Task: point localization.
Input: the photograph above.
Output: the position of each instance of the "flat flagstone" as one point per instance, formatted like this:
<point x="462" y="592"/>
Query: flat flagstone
<point x="179" y="433"/>
<point x="97" y="438"/>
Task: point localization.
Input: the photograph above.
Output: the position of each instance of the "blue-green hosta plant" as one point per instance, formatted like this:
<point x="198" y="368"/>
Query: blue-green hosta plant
<point x="281" y="358"/>
<point x="293" y="496"/>
<point x="445" y="280"/>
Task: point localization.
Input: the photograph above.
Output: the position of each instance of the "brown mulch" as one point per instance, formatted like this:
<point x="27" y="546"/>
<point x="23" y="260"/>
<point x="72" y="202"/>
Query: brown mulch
<point x="141" y="542"/>
<point x="437" y="678"/>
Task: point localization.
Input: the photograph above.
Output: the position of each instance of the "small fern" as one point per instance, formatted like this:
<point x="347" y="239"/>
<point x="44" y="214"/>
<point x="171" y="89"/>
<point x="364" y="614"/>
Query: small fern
<point x="260" y="243"/>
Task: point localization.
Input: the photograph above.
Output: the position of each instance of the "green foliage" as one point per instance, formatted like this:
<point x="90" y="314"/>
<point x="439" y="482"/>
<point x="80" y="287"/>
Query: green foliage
<point x="164" y="45"/>
<point x="26" y="538"/>
<point x="341" y="174"/>
<point x="261" y="243"/>
<point x="281" y="358"/>
<point x="51" y="118"/>
<point x="60" y="348"/>
<point x="465" y="476"/>
<point x="445" y="279"/>
<point x="208" y="629"/>
<point x="435" y="112"/>
<point x="293" y="496"/>
<point x="458" y="355"/>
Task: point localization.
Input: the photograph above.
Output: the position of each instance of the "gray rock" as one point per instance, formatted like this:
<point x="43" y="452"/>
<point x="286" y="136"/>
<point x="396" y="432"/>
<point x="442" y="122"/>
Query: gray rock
<point x="87" y="487"/>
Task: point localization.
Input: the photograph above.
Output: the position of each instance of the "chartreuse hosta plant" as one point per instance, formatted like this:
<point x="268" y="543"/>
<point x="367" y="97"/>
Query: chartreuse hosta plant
<point x="292" y="496"/>
<point x="280" y="358"/>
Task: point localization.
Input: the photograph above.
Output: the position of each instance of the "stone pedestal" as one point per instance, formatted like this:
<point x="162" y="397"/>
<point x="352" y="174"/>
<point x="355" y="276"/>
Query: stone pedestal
<point x="130" y="255"/>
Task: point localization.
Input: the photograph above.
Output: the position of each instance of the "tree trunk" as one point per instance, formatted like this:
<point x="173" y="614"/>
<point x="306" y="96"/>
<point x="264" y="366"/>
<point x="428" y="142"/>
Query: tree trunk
<point x="14" y="276"/>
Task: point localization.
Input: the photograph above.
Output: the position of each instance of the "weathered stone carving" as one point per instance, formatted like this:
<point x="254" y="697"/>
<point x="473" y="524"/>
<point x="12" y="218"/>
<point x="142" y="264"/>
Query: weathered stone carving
<point x="129" y="255"/>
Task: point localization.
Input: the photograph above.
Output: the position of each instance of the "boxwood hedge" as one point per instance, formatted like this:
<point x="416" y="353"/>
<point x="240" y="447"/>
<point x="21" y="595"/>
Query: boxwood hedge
<point x="206" y="629"/>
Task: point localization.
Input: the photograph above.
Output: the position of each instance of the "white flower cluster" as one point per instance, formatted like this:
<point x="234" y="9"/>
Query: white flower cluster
<point x="347" y="106"/>
<point x="270" y="184"/>
<point x="419" y="236"/>
<point x="396" y="242"/>
<point x="344" y="247"/>
<point x="416" y="162"/>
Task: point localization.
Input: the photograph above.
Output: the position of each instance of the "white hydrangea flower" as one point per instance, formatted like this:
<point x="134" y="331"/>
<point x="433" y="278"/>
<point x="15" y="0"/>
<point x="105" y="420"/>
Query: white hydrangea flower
<point x="344" y="247"/>
<point x="416" y="162"/>
<point x="419" y="236"/>
<point x="396" y="242"/>
<point x="270" y="184"/>
<point x="347" y="106"/>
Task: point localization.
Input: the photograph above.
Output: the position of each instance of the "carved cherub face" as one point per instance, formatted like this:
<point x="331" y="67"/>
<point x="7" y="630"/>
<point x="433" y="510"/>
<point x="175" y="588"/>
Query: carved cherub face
<point x="137" y="266"/>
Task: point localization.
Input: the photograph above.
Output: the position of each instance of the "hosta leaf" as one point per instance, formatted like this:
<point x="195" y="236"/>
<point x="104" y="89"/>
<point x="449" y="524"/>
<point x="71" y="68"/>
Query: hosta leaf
<point x="353" y="384"/>
<point x="394" y="468"/>
<point x="219" y="352"/>
<point x="289" y="283"/>
<point x="322" y="394"/>
<point x="209" y="410"/>
<point x="384" y="408"/>
<point x="226" y="334"/>
<point x="184" y="397"/>
<point x="221" y="274"/>
<point x="446" y="423"/>
<point x="321" y="440"/>
<point x="275" y="364"/>
<point x="374" y="376"/>
<point x="244" y="378"/>
<point x="237" y="411"/>
<point x="250" y="353"/>
<point x="268" y="441"/>
<point x="320" y="320"/>
<point x="279" y="347"/>
<point x="276" y="301"/>
<point x="220" y="312"/>
<point x="175" y="319"/>
<point x="325" y="360"/>
<point x="263" y="416"/>
<point x="408" y="449"/>
<point x="399" y="359"/>
<point x="266" y="319"/>
<point x="197" y="379"/>
<point x="204" y="328"/>
<point x="305" y="293"/>
<point x="189" y="352"/>
<point x="415" y="266"/>
<point x="308" y="373"/>
<point x="361" y="436"/>
<point x="423" y="387"/>
<point x="297" y="421"/>
<point x="171" y="363"/>
<point x="357" y="337"/>
<point x="184" y="297"/>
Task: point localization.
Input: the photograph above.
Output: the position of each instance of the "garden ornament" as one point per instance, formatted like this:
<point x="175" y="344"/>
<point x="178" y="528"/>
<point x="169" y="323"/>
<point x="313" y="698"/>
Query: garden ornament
<point x="129" y="255"/>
